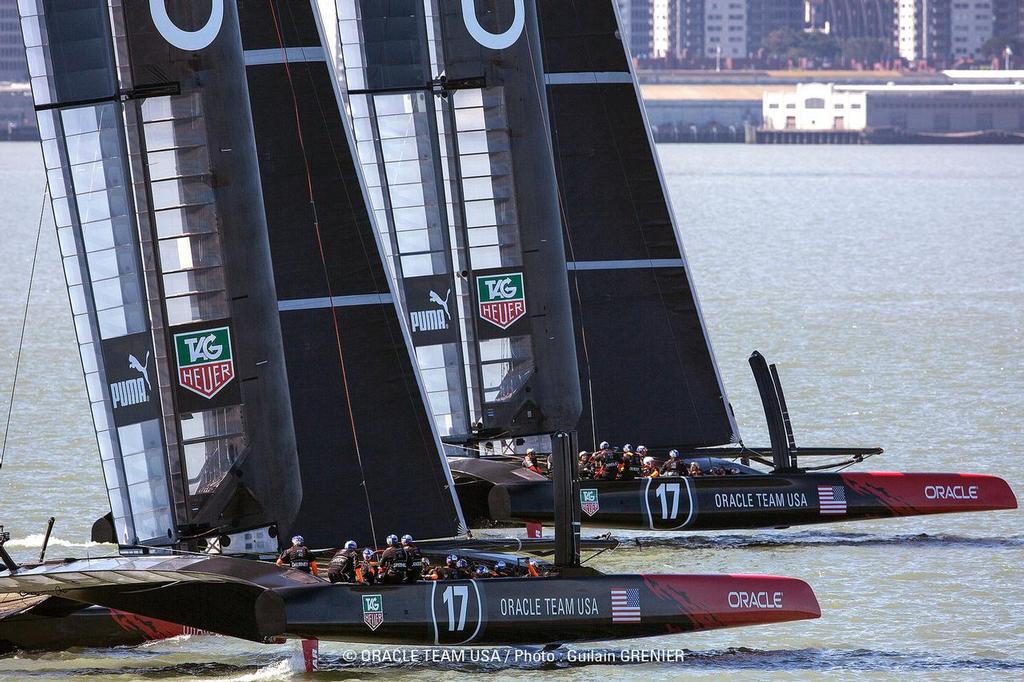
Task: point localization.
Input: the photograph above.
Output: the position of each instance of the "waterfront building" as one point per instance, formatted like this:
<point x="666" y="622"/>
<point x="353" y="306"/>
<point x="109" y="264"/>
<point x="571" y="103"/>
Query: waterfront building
<point x="636" y="23"/>
<point x="953" y="108"/>
<point x="846" y="19"/>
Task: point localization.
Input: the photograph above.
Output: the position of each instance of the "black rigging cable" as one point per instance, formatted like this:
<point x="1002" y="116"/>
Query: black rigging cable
<point x="24" y="324"/>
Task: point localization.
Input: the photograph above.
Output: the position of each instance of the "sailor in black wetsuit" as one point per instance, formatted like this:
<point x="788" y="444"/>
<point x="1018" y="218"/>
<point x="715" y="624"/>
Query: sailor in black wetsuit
<point x="610" y="466"/>
<point x="630" y="468"/>
<point x="415" y="559"/>
<point x="298" y="556"/>
<point x="673" y="466"/>
<point x="461" y="571"/>
<point x="394" y="562"/>
<point x="343" y="565"/>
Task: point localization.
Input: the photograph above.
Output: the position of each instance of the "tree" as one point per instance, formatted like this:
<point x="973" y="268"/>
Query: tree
<point x="787" y="43"/>
<point x="863" y="50"/>
<point x="993" y="47"/>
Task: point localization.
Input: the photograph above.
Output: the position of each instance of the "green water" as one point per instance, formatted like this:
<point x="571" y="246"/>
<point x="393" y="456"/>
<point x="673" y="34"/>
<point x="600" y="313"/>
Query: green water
<point x="887" y="284"/>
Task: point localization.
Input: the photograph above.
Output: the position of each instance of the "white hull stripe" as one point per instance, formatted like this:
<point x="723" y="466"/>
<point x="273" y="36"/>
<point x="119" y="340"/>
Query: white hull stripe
<point x="335" y="302"/>
<point x="626" y="264"/>
<point x="588" y="78"/>
<point x="277" y="56"/>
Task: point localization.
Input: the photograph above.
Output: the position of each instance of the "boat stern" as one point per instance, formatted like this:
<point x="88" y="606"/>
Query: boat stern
<point x="720" y="601"/>
<point x="912" y="494"/>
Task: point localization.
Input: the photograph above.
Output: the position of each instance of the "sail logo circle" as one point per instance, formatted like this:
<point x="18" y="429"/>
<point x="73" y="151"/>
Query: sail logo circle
<point x="191" y="41"/>
<point x="501" y="298"/>
<point x="495" y="41"/>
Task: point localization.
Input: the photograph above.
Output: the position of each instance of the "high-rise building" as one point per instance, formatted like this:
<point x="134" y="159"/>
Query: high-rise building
<point x="1008" y="18"/>
<point x="636" y="18"/>
<point x="661" y="27"/>
<point x="688" y="41"/>
<point x="972" y="25"/>
<point x="12" y="50"/>
<point x="944" y="31"/>
<point x="908" y="21"/>
<point x="767" y="16"/>
<point x="725" y="28"/>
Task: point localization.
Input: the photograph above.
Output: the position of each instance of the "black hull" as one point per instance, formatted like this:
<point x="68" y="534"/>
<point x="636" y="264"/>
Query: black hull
<point x="271" y="603"/>
<point x="756" y="501"/>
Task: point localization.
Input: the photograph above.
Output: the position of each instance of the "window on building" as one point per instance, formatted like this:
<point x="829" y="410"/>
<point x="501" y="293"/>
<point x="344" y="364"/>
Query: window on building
<point x="790" y="122"/>
<point x="814" y="103"/>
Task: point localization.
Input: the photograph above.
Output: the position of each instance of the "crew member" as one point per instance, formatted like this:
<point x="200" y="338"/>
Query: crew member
<point x="650" y="469"/>
<point x="461" y="570"/>
<point x="630" y="467"/>
<point x="530" y="461"/>
<point x="673" y="466"/>
<point x="610" y="465"/>
<point x="343" y="565"/>
<point x="482" y="572"/>
<point x="501" y="570"/>
<point x="298" y="556"/>
<point x="366" y="572"/>
<point x="415" y="559"/>
<point x="394" y="562"/>
<point x="694" y="470"/>
<point x="445" y="572"/>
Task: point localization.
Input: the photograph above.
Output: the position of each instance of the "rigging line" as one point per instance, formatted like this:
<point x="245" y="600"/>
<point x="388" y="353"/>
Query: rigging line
<point x="568" y="237"/>
<point x="24" y="323"/>
<point x="323" y="260"/>
<point x="413" y="393"/>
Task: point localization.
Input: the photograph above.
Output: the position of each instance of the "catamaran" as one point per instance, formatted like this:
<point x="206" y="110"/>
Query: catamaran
<point x="481" y="280"/>
<point x="249" y="373"/>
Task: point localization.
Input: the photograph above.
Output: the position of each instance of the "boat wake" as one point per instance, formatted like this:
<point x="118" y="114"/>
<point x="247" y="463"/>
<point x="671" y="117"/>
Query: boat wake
<point x="816" y="539"/>
<point x="266" y="667"/>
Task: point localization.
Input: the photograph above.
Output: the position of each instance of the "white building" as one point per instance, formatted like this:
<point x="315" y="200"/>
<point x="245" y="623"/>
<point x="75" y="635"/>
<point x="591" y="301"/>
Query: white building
<point x="725" y="28"/>
<point x="907" y="30"/>
<point x="661" y="28"/>
<point x="960" y="107"/>
<point x="814" y="106"/>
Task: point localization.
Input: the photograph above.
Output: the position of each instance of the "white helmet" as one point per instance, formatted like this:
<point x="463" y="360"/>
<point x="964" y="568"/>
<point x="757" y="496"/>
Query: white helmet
<point x="641" y="448"/>
<point x="350" y="544"/>
<point x="406" y="539"/>
<point x="627" y="448"/>
<point x="673" y="453"/>
<point x="605" y="445"/>
<point x="648" y="460"/>
<point x="298" y="540"/>
<point x="392" y="540"/>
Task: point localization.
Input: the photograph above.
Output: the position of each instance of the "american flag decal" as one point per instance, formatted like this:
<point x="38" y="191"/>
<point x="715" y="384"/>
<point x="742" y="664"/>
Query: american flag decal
<point x="832" y="499"/>
<point x="626" y="605"/>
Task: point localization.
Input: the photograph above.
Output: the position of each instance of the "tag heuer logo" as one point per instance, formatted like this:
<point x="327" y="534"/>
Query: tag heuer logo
<point x="373" y="610"/>
<point x="588" y="501"/>
<point x="204" y="360"/>
<point x="502" y="298"/>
